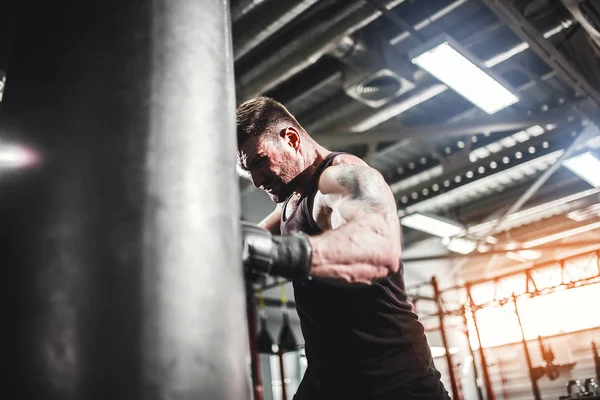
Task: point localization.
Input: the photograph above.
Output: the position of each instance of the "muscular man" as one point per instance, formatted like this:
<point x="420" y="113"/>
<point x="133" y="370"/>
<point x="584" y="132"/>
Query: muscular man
<point x="335" y="233"/>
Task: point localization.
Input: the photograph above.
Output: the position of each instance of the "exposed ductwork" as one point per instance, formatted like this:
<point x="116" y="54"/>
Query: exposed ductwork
<point x="373" y="72"/>
<point x="368" y="119"/>
<point x="253" y="31"/>
<point x="307" y="47"/>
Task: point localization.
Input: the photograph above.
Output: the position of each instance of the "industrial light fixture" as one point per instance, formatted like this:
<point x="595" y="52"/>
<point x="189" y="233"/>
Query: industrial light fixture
<point x="562" y="235"/>
<point x="459" y="245"/>
<point x="524" y="255"/>
<point x="437" y="351"/>
<point x="586" y="166"/>
<point x="433" y="225"/>
<point x="448" y="61"/>
<point x="391" y="112"/>
<point x="590" y="212"/>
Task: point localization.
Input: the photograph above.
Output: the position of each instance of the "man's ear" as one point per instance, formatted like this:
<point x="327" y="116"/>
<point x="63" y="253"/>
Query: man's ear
<point x="291" y="137"/>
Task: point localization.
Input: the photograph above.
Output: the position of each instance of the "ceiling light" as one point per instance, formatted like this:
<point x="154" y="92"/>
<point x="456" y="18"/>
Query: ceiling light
<point x="522" y="136"/>
<point x="562" y="235"/>
<point x="508" y="141"/>
<point x="467" y="365"/>
<point x="437" y="352"/>
<point x="586" y="213"/>
<point x="450" y="63"/>
<point x="460" y="245"/>
<point x="479" y="153"/>
<point x="491" y="240"/>
<point x="535" y="130"/>
<point x="524" y="255"/>
<point x="494" y="147"/>
<point x="432" y="225"/>
<point x="586" y="166"/>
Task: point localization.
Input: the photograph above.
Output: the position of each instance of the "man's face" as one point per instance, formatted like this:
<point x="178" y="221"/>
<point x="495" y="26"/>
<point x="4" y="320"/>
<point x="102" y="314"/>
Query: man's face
<point x="272" y="164"/>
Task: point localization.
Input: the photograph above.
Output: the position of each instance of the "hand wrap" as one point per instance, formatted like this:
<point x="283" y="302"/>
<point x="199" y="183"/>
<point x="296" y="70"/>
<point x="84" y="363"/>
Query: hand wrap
<point x="286" y="256"/>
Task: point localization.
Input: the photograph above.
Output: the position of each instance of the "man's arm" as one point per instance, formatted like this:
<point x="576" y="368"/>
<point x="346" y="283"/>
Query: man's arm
<point x="364" y="241"/>
<point x="362" y="244"/>
<point x="272" y="222"/>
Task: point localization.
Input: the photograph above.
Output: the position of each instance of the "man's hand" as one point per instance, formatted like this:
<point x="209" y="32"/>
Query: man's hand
<point x="286" y="256"/>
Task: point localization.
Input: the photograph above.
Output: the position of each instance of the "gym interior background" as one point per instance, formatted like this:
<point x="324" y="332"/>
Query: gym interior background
<point x="494" y="161"/>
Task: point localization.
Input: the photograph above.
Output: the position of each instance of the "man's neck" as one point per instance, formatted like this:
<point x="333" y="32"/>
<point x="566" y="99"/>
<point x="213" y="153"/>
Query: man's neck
<point x="312" y="160"/>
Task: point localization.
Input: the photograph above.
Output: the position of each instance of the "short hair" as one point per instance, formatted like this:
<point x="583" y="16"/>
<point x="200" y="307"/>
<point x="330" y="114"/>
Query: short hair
<point x="261" y="117"/>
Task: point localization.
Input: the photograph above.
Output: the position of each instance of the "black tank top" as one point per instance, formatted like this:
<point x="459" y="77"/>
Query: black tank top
<point x="360" y="339"/>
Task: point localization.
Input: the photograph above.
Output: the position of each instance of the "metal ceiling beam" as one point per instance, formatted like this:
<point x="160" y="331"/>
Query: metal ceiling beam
<point x="551" y="246"/>
<point x="584" y="134"/>
<point x="542" y="47"/>
<point x="557" y="139"/>
<point x="306" y="48"/>
<point x="470" y="112"/>
<point x="429" y="132"/>
<point x="248" y="34"/>
<point x="390" y="110"/>
<point x="477" y="210"/>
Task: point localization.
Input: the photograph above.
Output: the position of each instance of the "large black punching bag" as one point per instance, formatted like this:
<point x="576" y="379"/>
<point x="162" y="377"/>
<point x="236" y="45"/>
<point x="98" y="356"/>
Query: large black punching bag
<point x="119" y="241"/>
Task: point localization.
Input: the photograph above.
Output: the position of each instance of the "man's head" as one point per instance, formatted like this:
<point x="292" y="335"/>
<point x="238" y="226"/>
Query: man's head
<point x="271" y="146"/>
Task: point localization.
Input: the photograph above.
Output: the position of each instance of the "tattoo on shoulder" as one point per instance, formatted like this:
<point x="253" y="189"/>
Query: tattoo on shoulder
<point x="364" y="184"/>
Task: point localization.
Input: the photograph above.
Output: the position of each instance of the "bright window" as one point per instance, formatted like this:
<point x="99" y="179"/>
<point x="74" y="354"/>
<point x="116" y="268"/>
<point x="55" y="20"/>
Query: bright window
<point x="561" y="310"/>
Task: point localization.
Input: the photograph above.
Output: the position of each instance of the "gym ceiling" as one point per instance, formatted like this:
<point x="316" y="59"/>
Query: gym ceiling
<point x="498" y="181"/>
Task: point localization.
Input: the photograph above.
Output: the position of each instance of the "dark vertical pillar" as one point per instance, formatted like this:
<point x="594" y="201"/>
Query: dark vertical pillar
<point x="440" y="312"/>
<point x="120" y="249"/>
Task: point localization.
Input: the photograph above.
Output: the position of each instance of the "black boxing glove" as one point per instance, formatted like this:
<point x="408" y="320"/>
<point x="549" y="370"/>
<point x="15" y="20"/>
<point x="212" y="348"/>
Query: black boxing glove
<point x="286" y="256"/>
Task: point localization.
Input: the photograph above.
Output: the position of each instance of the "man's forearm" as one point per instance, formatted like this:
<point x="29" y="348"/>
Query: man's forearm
<point x="272" y="221"/>
<point x="359" y="251"/>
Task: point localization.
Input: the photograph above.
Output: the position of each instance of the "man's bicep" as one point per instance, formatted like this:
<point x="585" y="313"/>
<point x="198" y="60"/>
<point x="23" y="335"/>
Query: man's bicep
<point x="354" y="190"/>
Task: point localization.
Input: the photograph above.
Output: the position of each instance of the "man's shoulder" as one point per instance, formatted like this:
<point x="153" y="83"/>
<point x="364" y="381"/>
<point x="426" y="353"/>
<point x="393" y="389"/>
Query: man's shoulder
<point x="348" y="159"/>
<point x="347" y="170"/>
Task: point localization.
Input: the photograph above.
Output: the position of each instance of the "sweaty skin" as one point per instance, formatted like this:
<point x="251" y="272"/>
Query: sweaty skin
<point x="356" y="210"/>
